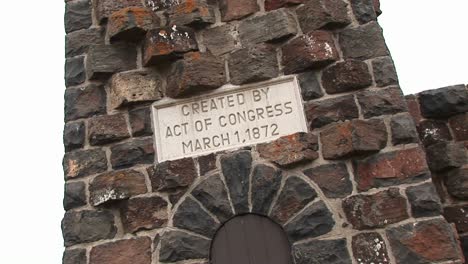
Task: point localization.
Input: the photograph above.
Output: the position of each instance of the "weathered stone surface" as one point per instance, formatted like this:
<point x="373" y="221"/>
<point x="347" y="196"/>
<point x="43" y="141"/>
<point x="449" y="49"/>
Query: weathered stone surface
<point x="195" y="73"/>
<point x="253" y="64"/>
<point x="403" y="130"/>
<point x="275" y="4"/>
<point x="363" y="42"/>
<point x="446" y="155"/>
<point x="137" y="151"/>
<point x="190" y="216"/>
<point x="173" y="174"/>
<point x="313" y="50"/>
<point x="266" y="182"/>
<point x="235" y="9"/>
<point x="464" y="245"/>
<point x="176" y="246"/>
<point x="107" y="129"/>
<point x="457" y="183"/>
<point x="294" y="196"/>
<point x="78" y="42"/>
<point x="195" y="13"/>
<point x="74" y="136"/>
<point x="135" y="251"/>
<point x="236" y="169"/>
<point x="207" y="163"/>
<point x="84" y="102"/>
<point x="134" y="87"/>
<point x="104" y="8"/>
<point x="167" y="44"/>
<point x="116" y="185"/>
<point x="84" y="162"/>
<point x="322" y="14"/>
<point x="87" y="226"/>
<point x="444" y="102"/>
<point x="459" y="125"/>
<point x="424" y="200"/>
<point x="140" y="122"/>
<point x="77" y="15"/>
<point x="382" y="102"/>
<point x="221" y="39"/>
<point x="75" y="71"/>
<point x="413" y="108"/>
<point x="310" y="85"/>
<point x="75" y="195"/>
<point x="333" y="179"/>
<point x="74" y="256"/>
<point x="376" y="210"/>
<point x="321" y="113"/>
<point x="104" y="60"/>
<point x="275" y="25"/>
<point x="364" y="10"/>
<point x="370" y="248"/>
<point x="346" y="76"/>
<point x="213" y="195"/>
<point x="144" y="213"/>
<point x="131" y="24"/>
<point x="391" y="168"/>
<point x="458" y="216"/>
<point x="353" y="138"/>
<point x="322" y="251"/>
<point x="424" y="242"/>
<point x="433" y="131"/>
<point x="314" y="221"/>
<point x="384" y="70"/>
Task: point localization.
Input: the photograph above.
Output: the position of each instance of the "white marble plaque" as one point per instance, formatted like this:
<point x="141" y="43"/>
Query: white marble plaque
<point x="228" y="118"/>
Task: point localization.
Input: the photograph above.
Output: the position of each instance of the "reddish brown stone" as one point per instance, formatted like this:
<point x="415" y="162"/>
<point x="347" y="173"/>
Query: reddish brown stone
<point x="376" y="210"/>
<point x="166" y="44"/>
<point x="413" y="108"/>
<point x="321" y="113"/>
<point x="144" y="213"/>
<point x="290" y="150"/>
<point x="391" y="168"/>
<point x="107" y="129"/>
<point x="312" y="50"/>
<point x="173" y="174"/>
<point x="433" y="131"/>
<point x="116" y="185"/>
<point x="194" y="13"/>
<point x="370" y="248"/>
<point x="333" y="179"/>
<point x="382" y="102"/>
<point x="275" y="4"/>
<point x="323" y="14"/>
<point x="84" y="102"/>
<point x="140" y="122"/>
<point x="104" y="8"/>
<point x="459" y="216"/>
<point x="353" y="138"/>
<point x="346" y="76"/>
<point x="137" y="151"/>
<point x="84" y="162"/>
<point x="459" y="125"/>
<point x="235" y="9"/>
<point x="207" y="163"/>
<point x="135" y="251"/>
<point x="131" y="24"/>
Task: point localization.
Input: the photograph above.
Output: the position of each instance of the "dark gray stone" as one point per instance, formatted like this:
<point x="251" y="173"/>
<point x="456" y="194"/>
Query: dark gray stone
<point x="137" y="151"/>
<point x="364" y="10"/>
<point x="236" y="169"/>
<point x="173" y="174"/>
<point x="104" y="60"/>
<point x="424" y="200"/>
<point x="75" y="71"/>
<point x="322" y="14"/>
<point x="433" y="131"/>
<point x="192" y="217"/>
<point x="206" y="163"/>
<point x="140" y="122"/>
<point x="314" y="221"/>
<point x="266" y="182"/>
<point x="78" y="42"/>
<point x="403" y="130"/>
<point x="84" y="162"/>
<point x="77" y="15"/>
<point x="321" y="252"/>
<point x="220" y="40"/>
<point x="446" y="155"/>
<point x="384" y="71"/>
<point x="177" y="245"/>
<point x="346" y="76"/>
<point x="87" y="226"/>
<point x="74" y="256"/>
<point x="363" y="42"/>
<point x="74" y="136"/>
<point x="457" y="183"/>
<point x="213" y="195"/>
<point x="310" y="85"/>
<point x="75" y="195"/>
<point x="444" y="102"/>
<point x="294" y="196"/>
<point x="84" y="102"/>
<point x="387" y="101"/>
<point x="321" y="113"/>
<point x="370" y="248"/>
<point x="333" y="179"/>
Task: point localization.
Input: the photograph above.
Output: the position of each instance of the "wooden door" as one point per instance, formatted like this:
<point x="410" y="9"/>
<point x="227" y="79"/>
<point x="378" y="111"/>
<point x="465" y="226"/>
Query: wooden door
<point x="250" y="239"/>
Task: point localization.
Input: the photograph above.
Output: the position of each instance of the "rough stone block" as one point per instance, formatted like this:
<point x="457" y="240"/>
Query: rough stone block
<point x="456" y="182"/>
<point x="190" y="216"/>
<point x="221" y="39"/>
<point x="107" y="129"/>
<point x="403" y="130"/>
<point x="131" y="24"/>
<point x="459" y="125"/>
<point x="315" y="49"/>
<point x="236" y="169"/>
<point x="75" y="72"/>
<point x="236" y="9"/>
<point x="322" y="14"/>
<point x="353" y="138"/>
<point x="346" y="76"/>
<point x="333" y="179"/>
<point x="135" y="251"/>
<point x="384" y="72"/>
<point x="363" y="42"/>
<point x="444" y="102"/>
<point x="386" y="169"/>
<point x="74" y="136"/>
<point x="134" y="87"/>
<point x="195" y="13"/>
<point x="364" y="10"/>
<point x="74" y="196"/>
<point x="321" y="113"/>
<point x="424" y="200"/>
<point x="206" y="163"/>
<point x="77" y="15"/>
<point x="290" y="150"/>
<point x="84" y="102"/>
<point x="104" y="60"/>
<point x="173" y="174"/>
<point x="370" y="248"/>
<point x="78" y="42"/>
<point x="195" y="73"/>
<point x="137" y="151"/>
<point x="253" y="64"/>
<point x="144" y="213"/>
<point x="446" y="155"/>
<point x="413" y="108"/>
<point x="382" y="102"/>
<point x="376" y="210"/>
<point x="177" y="246"/>
<point x="322" y="251"/>
<point x="310" y="85"/>
<point x="87" y="226"/>
<point x="275" y="4"/>
<point x="433" y="132"/>
<point x="458" y="216"/>
<point x="105" y="8"/>
<point x="84" y="162"/>
<point x="140" y="122"/>
<point x="266" y="182"/>
<point x="74" y="256"/>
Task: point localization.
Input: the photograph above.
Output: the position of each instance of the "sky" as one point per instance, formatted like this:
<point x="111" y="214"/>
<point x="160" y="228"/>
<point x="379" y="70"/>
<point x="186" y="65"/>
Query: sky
<point x="426" y="38"/>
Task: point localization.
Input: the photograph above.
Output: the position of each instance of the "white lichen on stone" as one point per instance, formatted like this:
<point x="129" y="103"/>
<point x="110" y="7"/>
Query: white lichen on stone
<point x="107" y="195"/>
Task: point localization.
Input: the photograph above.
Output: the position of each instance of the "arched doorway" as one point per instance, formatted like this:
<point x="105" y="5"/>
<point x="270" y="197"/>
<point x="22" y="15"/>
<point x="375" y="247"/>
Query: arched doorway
<point x="250" y="239"/>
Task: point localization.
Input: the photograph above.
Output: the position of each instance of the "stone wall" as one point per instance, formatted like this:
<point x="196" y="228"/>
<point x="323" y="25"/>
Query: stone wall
<point x="355" y="189"/>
